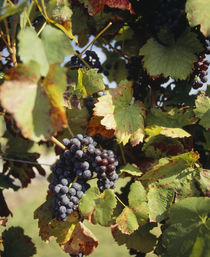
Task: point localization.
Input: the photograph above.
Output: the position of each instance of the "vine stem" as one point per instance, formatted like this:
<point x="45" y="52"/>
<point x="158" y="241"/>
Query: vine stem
<point x="70" y="131"/>
<point x="22" y="161"/>
<point x="122" y="153"/>
<point x="120" y="200"/>
<point x="58" y="143"/>
<point x="97" y="36"/>
<point x="41" y="29"/>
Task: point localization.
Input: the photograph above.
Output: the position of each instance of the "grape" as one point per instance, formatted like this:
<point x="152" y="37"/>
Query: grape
<point x="66" y="142"/>
<point x="64" y="189"/>
<point x="69" y="211"/>
<point x="64" y="181"/>
<point x="85" y="165"/>
<point x="77" y="186"/>
<point x="87" y="174"/>
<point x="62" y="209"/>
<point x="72" y="191"/>
<point x="79" y="194"/>
<point x="79" y="154"/>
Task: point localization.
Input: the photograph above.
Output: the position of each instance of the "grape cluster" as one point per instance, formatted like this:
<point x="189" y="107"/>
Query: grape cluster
<point x="105" y="165"/>
<point x="136" y="253"/>
<point x="78" y="255"/>
<point x="74" y="168"/>
<point x="91" y="58"/>
<point x="200" y="71"/>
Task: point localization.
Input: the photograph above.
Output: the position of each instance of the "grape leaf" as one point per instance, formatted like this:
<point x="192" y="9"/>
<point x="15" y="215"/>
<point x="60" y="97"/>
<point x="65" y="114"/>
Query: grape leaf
<point x="171" y="117"/>
<point x="97" y="207"/>
<point x="9" y="10"/>
<point x="137" y="212"/>
<point x="95" y="127"/>
<point x="168" y="167"/>
<point x="131" y="170"/>
<point x="155" y="130"/>
<point x="188" y="230"/>
<point x="88" y="82"/>
<point x="141" y="240"/>
<point x="202" y="110"/>
<point x="25" y="110"/>
<point x="197" y="14"/>
<point x="159" y="200"/>
<point x="16" y="243"/>
<point x="121" y="114"/>
<point x="206" y="144"/>
<point x="95" y="6"/>
<point x="204" y="181"/>
<point x="61" y="230"/>
<point x="157" y="147"/>
<point x="51" y="48"/>
<point x="56" y="44"/>
<point x="2" y="126"/>
<point x="55" y="85"/>
<point x="175" y="59"/>
<point x="7" y="182"/>
<point x="82" y="241"/>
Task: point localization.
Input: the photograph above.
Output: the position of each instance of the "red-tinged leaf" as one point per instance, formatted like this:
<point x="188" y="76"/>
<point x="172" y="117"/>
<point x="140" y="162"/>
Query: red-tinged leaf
<point x="55" y="85"/>
<point x="95" y="6"/>
<point x="49" y="227"/>
<point x="81" y="241"/>
<point x="31" y="105"/>
<point x="120" y="113"/>
<point x="168" y="167"/>
<point x="95" y="127"/>
<point x="17" y="244"/>
<point x="127" y="221"/>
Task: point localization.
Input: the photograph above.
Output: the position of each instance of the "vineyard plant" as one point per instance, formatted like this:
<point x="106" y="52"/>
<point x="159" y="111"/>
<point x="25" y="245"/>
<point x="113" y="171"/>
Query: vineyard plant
<point x="118" y="89"/>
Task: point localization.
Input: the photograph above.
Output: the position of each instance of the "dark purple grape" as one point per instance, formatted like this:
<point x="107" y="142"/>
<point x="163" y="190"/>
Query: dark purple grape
<point x="72" y="191"/>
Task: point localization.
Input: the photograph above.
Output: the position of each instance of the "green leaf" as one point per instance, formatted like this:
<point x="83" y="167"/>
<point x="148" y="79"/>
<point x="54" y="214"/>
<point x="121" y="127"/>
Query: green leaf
<point x="16" y="243"/>
<point x="159" y="200"/>
<point x="98" y="207"/>
<point x="61" y="230"/>
<point x="157" y="147"/>
<point x="56" y="44"/>
<point x="51" y="48"/>
<point x="7" y="182"/>
<point x="174" y="59"/>
<point x="169" y="167"/>
<point x="26" y="110"/>
<point x="120" y="113"/>
<point x="155" y="130"/>
<point x="131" y="170"/>
<point x="206" y="144"/>
<point x="197" y="14"/>
<point x="170" y="117"/>
<point x="2" y="126"/>
<point x="55" y="86"/>
<point x="188" y="231"/>
<point x="9" y="10"/>
<point x="137" y="213"/>
<point x="141" y="240"/>
<point x="202" y="110"/>
<point x="28" y="38"/>
<point x="127" y="221"/>
<point x="204" y="181"/>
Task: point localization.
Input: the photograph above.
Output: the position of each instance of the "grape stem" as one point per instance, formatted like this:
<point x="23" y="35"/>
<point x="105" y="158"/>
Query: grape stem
<point x="97" y="36"/>
<point x="58" y="143"/>
<point x="120" y="200"/>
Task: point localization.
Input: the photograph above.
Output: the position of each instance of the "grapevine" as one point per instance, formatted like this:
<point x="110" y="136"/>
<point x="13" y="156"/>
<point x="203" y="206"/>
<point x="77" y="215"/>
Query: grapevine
<point x="116" y="94"/>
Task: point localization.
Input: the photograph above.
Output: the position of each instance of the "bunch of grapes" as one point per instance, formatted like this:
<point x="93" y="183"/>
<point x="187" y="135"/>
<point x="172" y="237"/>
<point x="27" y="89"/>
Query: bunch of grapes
<point x="91" y="58"/>
<point x="74" y="168"/>
<point x="200" y="71"/>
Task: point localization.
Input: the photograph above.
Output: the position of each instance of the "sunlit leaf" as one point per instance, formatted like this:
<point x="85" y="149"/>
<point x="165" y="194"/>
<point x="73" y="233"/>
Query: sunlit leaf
<point x="202" y="110"/>
<point x="198" y="13"/>
<point x="120" y="113"/>
<point x="131" y="170"/>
